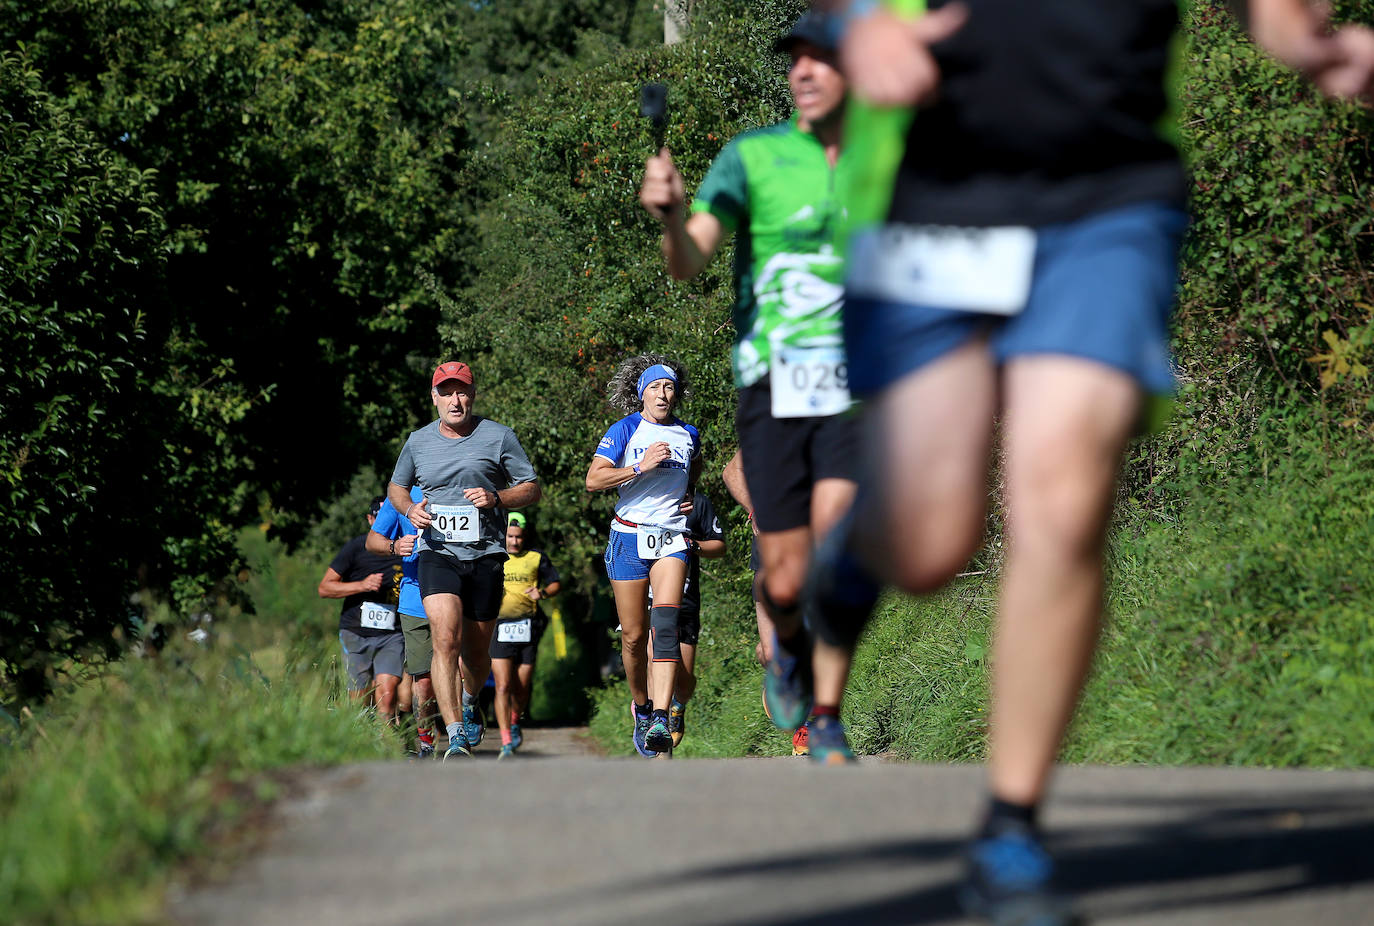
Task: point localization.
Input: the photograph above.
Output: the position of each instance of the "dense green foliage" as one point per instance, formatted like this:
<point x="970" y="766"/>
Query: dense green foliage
<point x="252" y="210"/>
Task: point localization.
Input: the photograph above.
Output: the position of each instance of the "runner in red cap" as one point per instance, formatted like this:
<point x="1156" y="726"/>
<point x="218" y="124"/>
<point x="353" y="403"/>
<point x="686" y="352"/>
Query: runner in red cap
<point x="471" y="471"/>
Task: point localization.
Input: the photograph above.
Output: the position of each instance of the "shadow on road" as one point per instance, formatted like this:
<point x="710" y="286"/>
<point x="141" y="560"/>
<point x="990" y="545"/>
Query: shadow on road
<point x="1237" y="853"/>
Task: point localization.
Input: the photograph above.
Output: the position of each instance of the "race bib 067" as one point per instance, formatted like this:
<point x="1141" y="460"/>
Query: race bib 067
<point x="378" y="616"/>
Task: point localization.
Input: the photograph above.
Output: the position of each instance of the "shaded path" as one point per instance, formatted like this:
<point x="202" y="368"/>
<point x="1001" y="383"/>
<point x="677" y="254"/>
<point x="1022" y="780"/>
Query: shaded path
<point x="781" y="841"/>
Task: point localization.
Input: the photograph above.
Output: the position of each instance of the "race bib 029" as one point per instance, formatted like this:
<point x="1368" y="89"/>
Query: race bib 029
<point x="809" y="382"/>
<point x="456" y="523"/>
<point x="656" y="543"/>
<point x="945" y="267"/>
<point x="378" y="616"/>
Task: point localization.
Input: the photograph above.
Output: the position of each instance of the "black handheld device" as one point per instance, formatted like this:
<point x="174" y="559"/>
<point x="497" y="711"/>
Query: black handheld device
<point x="653" y="105"/>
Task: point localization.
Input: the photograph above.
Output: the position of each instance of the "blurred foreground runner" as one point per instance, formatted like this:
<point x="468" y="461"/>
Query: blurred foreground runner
<point x="1026" y="272"/>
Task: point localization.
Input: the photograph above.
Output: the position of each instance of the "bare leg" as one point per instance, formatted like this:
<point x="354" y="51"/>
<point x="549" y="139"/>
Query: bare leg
<point x="932" y="438"/>
<point x="686" y="677"/>
<point x="630" y="598"/>
<point x="386" y="697"/>
<point x="667" y="575"/>
<point x="1067" y="423"/>
<point x="525" y="688"/>
<point x="476" y="655"/>
<point x="506" y="695"/>
<point x="445" y="613"/>
<point x="424" y="703"/>
<point x="830" y="499"/>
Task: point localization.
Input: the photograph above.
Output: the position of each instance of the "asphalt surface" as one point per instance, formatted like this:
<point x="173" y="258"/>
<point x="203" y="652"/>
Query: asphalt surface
<point x="557" y="837"/>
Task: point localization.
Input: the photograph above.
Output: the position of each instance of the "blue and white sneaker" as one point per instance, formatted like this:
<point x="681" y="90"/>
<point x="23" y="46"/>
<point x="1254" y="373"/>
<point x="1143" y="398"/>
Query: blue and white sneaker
<point x="474" y="724"/>
<point x="1009" y="881"/>
<point x="507" y="751"/>
<point x="658" y="738"/>
<point x="641" y="729"/>
<point x="516" y="737"/>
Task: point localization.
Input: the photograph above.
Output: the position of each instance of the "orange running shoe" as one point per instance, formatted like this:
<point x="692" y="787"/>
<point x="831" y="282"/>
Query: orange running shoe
<point x="801" y="740"/>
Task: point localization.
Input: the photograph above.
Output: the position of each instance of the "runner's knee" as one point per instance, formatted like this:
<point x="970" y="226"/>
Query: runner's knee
<point x="663" y="620"/>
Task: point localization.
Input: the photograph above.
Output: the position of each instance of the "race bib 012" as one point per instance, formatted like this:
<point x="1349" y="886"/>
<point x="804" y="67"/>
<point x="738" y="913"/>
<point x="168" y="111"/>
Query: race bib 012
<point x="945" y="267"/>
<point x="456" y="523"/>
<point x="656" y="543"/>
<point x="809" y="382"/>
<point x="378" y="616"/>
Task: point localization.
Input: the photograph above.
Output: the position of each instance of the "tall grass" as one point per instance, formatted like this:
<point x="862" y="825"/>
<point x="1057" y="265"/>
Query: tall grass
<point x="121" y="776"/>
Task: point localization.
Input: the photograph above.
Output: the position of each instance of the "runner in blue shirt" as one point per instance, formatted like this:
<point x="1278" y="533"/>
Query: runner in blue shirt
<point x="654" y="459"/>
<point x="393" y="535"/>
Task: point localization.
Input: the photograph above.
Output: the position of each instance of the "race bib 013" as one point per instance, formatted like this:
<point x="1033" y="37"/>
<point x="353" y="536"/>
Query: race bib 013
<point x="378" y="616"/>
<point x="456" y="523"/>
<point x="513" y="631"/>
<point x="656" y="543"/>
<point x="945" y="267"/>
<point x="809" y="382"/>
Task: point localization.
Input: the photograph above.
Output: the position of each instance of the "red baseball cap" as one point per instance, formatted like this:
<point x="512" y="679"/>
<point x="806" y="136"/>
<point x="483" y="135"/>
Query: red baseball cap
<point x="454" y="369"/>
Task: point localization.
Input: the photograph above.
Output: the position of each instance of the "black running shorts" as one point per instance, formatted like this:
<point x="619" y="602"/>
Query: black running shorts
<point x="478" y="583"/>
<point x="784" y="457"/>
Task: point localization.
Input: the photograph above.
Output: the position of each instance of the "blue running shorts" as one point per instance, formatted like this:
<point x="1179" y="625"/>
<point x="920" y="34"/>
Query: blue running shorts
<point x="1101" y="288"/>
<point x="623" y="562"/>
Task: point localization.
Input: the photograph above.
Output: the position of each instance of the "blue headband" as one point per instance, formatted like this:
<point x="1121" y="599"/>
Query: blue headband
<point x="653" y="374"/>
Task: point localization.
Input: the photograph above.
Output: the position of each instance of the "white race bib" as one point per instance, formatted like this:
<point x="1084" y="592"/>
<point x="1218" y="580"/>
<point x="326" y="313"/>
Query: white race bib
<point x="513" y="631"/>
<point x="809" y="382"/>
<point x="378" y="616"/>
<point x="945" y="267"/>
<point x="656" y="542"/>
<point x="456" y="523"/>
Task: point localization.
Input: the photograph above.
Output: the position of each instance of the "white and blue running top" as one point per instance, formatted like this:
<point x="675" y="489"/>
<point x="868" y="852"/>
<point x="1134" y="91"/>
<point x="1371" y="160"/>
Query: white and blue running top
<point x="652" y="498"/>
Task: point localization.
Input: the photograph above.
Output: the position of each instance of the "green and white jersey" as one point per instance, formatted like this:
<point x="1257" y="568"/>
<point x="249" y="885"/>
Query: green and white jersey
<point x="775" y="189"/>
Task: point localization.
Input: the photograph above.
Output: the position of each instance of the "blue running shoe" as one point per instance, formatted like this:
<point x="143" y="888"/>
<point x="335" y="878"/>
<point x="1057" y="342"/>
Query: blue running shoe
<point x="474" y="724"/>
<point x="516" y="737"/>
<point x="457" y="748"/>
<point x="1009" y="881"/>
<point x="827" y="742"/>
<point x="658" y="738"/>
<point x="787" y="684"/>
<point x="641" y="729"/>
<point x="507" y="750"/>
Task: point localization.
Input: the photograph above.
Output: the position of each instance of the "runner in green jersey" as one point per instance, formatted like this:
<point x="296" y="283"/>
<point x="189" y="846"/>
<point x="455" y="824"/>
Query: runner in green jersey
<point x="776" y="190"/>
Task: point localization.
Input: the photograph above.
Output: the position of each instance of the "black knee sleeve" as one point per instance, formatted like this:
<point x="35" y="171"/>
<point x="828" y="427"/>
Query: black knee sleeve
<point x="663" y="624"/>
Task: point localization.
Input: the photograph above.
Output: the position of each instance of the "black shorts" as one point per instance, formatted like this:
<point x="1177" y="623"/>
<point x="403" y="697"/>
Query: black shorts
<point x="520" y="653"/>
<point x="478" y="583"/>
<point x="785" y="457"/>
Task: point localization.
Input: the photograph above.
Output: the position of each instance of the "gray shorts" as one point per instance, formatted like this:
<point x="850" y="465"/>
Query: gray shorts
<point x="419" y="645"/>
<point x="368" y="657"/>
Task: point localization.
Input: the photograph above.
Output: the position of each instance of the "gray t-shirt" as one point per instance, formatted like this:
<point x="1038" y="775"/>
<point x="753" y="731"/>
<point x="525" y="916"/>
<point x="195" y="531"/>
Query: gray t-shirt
<point x="489" y="458"/>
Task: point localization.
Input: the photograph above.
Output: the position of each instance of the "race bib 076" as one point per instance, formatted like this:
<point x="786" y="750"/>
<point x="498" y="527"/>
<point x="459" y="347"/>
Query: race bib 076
<point x="513" y="631"/>
<point x="945" y="267"/>
<point x="378" y="616"/>
<point x="656" y="543"/>
<point x="809" y="382"/>
<point x="456" y="523"/>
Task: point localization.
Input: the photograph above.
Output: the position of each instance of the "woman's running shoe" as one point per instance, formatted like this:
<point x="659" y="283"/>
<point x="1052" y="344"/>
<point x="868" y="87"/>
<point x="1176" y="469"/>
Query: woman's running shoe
<point x="827" y="742"/>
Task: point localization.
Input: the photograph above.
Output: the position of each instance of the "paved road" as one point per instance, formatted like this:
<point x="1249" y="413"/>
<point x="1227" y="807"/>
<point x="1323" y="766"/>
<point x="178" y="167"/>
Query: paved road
<point x="565" y="839"/>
